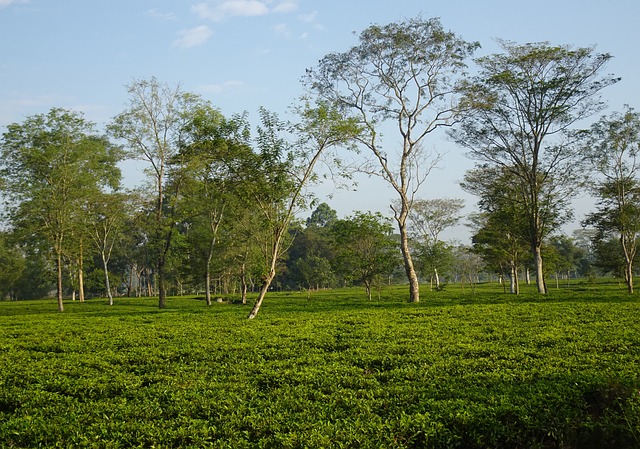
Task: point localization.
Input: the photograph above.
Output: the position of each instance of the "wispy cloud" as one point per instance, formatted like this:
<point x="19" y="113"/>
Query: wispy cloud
<point x="311" y="19"/>
<point x="282" y="29"/>
<point x="5" y="3"/>
<point x="223" y="9"/>
<point x="159" y="15"/>
<point x="193" y="37"/>
<point x="286" y="6"/>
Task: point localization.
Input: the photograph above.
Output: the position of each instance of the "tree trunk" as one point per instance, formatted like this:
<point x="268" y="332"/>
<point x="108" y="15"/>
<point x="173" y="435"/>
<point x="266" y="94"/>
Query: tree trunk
<point x="437" y="277"/>
<point x="367" y="286"/>
<point x="537" y="258"/>
<point x="162" y="294"/>
<point x="629" y="250"/>
<point x="130" y="284"/>
<point x="629" y="274"/>
<point x="263" y="291"/>
<point x="106" y="279"/>
<point x="207" y="275"/>
<point x="515" y="284"/>
<point x="59" y="289"/>
<point x="81" y="274"/>
<point x="243" y="282"/>
<point x="207" y="285"/>
<point x="414" y="285"/>
<point x="275" y="249"/>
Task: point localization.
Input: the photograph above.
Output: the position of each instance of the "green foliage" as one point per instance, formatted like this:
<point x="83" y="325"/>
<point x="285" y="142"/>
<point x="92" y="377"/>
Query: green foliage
<point x="333" y="371"/>
<point x="365" y="248"/>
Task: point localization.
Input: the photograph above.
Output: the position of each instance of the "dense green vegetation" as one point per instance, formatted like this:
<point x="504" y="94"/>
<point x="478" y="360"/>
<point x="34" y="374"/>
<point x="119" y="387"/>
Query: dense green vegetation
<point x="465" y="370"/>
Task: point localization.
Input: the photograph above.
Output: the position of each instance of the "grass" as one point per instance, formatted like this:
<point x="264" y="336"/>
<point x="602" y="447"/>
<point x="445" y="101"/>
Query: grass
<point x="458" y="370"/>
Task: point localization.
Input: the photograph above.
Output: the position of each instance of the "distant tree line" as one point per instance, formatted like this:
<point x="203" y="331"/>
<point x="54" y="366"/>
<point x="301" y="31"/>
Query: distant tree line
<point x="218" y="209"/>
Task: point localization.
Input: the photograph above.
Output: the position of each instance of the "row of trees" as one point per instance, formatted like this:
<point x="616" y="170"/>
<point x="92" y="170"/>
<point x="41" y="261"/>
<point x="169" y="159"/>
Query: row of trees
<point x="220" y="192"/>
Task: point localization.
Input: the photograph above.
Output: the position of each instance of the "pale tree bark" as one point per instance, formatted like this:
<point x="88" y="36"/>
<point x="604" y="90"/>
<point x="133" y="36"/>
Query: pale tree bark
<point x="514" y="287"/>
<point x="107" y="284"/>
<point x="271" y="273"/>
<point x="537" y="259"/>
<point x="81" y="273"/>
<point x="243" y="282"/>
<point x="215" y="217"/>
<point x="409" y="268"/>
<point x="59" y="277"/>
<point x="629" y="250"/>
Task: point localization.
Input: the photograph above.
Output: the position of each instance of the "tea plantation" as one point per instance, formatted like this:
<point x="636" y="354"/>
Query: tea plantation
<point x="458" y="370"/>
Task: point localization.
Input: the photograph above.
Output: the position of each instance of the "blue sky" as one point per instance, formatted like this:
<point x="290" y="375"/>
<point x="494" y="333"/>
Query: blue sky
<point x="243" y="54"/>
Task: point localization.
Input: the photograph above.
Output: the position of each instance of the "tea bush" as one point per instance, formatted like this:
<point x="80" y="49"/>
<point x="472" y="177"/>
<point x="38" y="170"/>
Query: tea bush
<point x="336" y="371"/>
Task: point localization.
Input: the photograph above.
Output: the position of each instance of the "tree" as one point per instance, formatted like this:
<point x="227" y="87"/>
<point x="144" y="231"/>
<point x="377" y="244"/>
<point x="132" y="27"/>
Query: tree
<point x="50" y="165"/>
<point x="613" y="149"/>
<point x="402" y="74"/>
<point x="527" y="99"/>
<point x="153" y="126"/>
<point x="106" y="216"/>
<point x="565" y="256"/>
<point x="468" y="265"/>
<point x="323" y="216"/>
<point x="284" y="170"/>
<point x="500" y="230"/>
<point x="309" y="257"/>
<point x="428" y="219"/>
<point x="366" y="248"/>
<point x="213" y="153"/>
<point x="12" y="266"/>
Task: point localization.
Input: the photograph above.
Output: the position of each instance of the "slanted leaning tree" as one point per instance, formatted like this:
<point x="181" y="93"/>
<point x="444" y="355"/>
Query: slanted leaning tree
<point x="528" y="97"/>
<point x="612" y="148"/>
<point x="403" y="76"/>
<point x="51" y="165"/>
<point x="152" y="126"/>
<point x="284" y="170"/>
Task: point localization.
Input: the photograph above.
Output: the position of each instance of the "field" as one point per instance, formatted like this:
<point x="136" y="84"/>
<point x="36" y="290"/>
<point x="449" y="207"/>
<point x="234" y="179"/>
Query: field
<point x="458" y="370"/>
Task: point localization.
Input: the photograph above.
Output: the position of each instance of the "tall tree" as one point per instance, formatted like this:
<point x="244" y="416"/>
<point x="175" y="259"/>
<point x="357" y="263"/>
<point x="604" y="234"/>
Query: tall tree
<point x="152" y="126"/>
<point x="50" y="165"/>
<point x="613" y="150"/>
<point x="528" y="97"/>
<point x="401" y="75"/>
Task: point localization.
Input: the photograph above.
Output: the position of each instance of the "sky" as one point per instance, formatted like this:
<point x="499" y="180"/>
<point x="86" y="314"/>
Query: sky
<point x="245" y="54"/>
